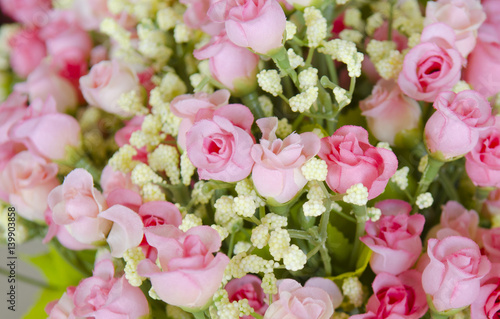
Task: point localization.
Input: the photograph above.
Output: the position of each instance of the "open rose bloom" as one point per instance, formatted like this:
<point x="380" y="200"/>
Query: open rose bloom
<point x="255" y="159"/>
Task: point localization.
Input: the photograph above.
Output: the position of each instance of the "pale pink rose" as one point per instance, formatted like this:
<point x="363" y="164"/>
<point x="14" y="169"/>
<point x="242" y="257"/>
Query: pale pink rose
<point x="249" y="288"/>
<point x="482" y="163"/>
<point x="67" y="43"/>
<point x="29" y="12"/>
<point x="453" y="130"/>
<point x="90" y="13"/>
<point x="254" y="24"/>
<point x="98" y="54"/>
<point x="106" y="82"/>
<point x="187" y="105"/>
<point x="219" y="143"/>
<point x="492" y="203"/>
<point x="491" y="242"/>
<point x="432" y="66"/>
<point x="62" y="308"/>
<point x="45" y="131"/>
<point x="233" y="66"/>
<point x="456" y="217"/>
<point x="452" y="278"/>
<point x="28" y="180"/>
<point x="394" y="238"/>
<point x="44" y="81"/>
<point x="396" y="297"/>
<point x="191" y="273"/>
<point x="76" y="204"/>
<point x="62" y="234"/>
<point x="13" y="109"/>
<point x="487" y="303"/>
<point x="27" y="51"/>
<point x="388" y="111"/>
<point x="463" y="16"/>
<point x="277" y="170"/>
<point x="316" y="300"/>
<point x="352" y="160"/>
<point x="102" y="296"/>
<point x="122" y="137"/>
<point x="196" y="16"/>
<point x="112" y="180"/>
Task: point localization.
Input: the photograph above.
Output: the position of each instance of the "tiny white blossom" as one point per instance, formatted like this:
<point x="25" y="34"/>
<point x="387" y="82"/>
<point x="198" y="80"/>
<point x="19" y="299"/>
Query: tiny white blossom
<point x="302" y="102"/>
<point x="357" y="194"/>
<point x="274" y="221"/>
<point x="316" y="26"/>
<point x="269" y="284"/>
<point x="353" y="290"/>
<point x="189" y="221"/>
<point x="270" y="82"/>
<point x="260" y="236"/>
<point x="313" y="208"/>
<point x="373" y="213"/>
<point x="315" y="169"/>
<point x="424" y="200"/>
<point x="384" y="145"/>
<point x="279" y="241"/>
<point x="181" y="33"/>
<point x="294" y="259"/>
<point x="295" y="59"/>
<point x="241" y="246"/>
<point x="244" y="206"/>
<point x="341" y="96"/>
<point x="308" y="78"/>
<point x="400" y="178"/>
<point x="290" y="29"/>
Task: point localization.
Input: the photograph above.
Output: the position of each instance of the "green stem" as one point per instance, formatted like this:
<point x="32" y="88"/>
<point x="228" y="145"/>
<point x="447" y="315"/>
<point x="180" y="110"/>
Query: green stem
<point x="448" y="187"/>
<point x="231" y="244"/>
<point x="391" y="18"/>
<point x="280" y="57"/>
<point x="310" y="55"/>
<point x="252" y="101"/>
<point x="297" y="121"/>
<point x="360" y="212"/>
<point x="199" y="315"/>
<point x="438" y="316"/>
<point x="430" y="172"/>
<point x="299" y="234"/>
<point x="323" y="235"/>
<point x="331" y="69"/>
<point x="202" y="84"/>
<point x="28" y="280"/>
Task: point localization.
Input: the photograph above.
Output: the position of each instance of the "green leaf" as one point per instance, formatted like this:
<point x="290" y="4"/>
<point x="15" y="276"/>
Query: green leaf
<point x="58" y="273"/>
<point x="338" y="244"/>
<point x="361" y="264"/>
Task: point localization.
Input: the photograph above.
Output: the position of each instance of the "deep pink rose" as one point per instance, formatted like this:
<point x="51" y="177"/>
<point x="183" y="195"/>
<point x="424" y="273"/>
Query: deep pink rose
<point x="28" y="180"/>
<point x="254" y="24"/>
<point x="276" y="173"/>
<point x="187" y="105"/>
<point x="76" y="204"/>
<point x="456" y="217"/>
<point x="491" y="242"/>
<point x="483" y="68"/>
<point x="62" y="308"/>
<point x="45" y="81"/>
<point x="482" y="163"/>
<point x="452" y="278"/>
<point x="231" y="65"/>
<point x="190" y="274"/>
<point x="487" y="303"/>
<point x="352" y="160"/>
<point x="27" y="51"/>
<point x="463" y="16"/>
<point x="394" y="238"/>
<point x="45" y="131"/>
<point x="396" y="297"/>
<point x="432" y="66"/>
<point x="30" y="12"/>
<point x="316" y="300"/>
<point x="196" y="16"/>
<point x="106" y="82"/>
<point x="103" y="296"/>
<point x="453" y="130"/>
<point x="248" y="287"/>
<point x="388" y="111"/>
<point x="219" y="143"/>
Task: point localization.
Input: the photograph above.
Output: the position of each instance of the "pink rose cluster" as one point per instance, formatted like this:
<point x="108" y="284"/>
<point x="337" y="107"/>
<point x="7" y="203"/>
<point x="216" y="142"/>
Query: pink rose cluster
<point x="31" y="137"/>
<point x="240" y="30"/>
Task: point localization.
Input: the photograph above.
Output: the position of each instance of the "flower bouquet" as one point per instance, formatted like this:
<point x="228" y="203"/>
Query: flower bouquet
<point x="253" y="159"/>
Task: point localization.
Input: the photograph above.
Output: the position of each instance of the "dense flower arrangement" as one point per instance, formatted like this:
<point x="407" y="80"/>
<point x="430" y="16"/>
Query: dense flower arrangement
<point x="255" y="158"/>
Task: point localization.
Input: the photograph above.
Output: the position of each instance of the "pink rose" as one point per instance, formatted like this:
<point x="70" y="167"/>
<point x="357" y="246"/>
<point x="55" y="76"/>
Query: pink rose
<point x="395" y="297"/>
<point x="45" y="131"/>
<point x="63" y="307"/>
<point x="463" y="16"/>
<point x="316" y="300"/>
<point x="30" y="12"/>
<point x="456" y="217"/>
<point x="453" y="130"/>
<point x="482" y="163"/>
<point x="487" y="305"/>
<point x="394" y="238"/>
<point x="483" y="68"/>
<point x="432" y="66"/>
<point x="254" y="24"/>
<point x="90" y="13"/>
<point x="191" y="273"/>
<point x="106" y="82"/>
<point x="276" y="172"/>
<point x="491" y="242"/>
<point x="27" y="51"/>
<point x="452" y="278"/>
<point x="103" y="296"/>
<point x="352" y="160"/>
<point x="249" y="288"/>
<point x="44" y="81"/>
<point x="122" y="137"/>
<point x="388" y="111"/>
<point x="196" y="16"/>
<point x="219" y="143"/>
<point x="112" y="180"/>
<point x="233" y="66"/>
<point x="28" y="180"/>
<point x="187" y="105"/>
<point x="492" y="204"/>
<point x="13" y="109"/>
<point x="76" y="204"/>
